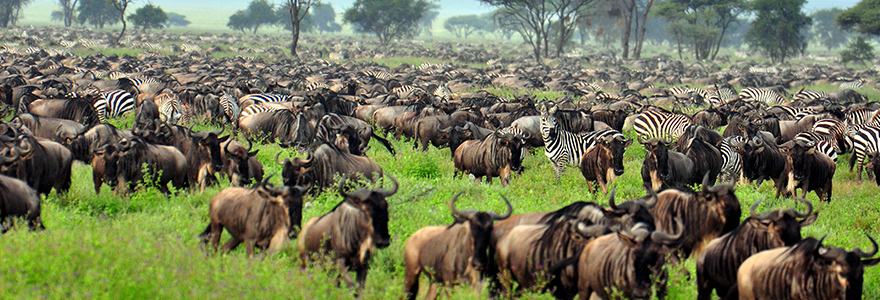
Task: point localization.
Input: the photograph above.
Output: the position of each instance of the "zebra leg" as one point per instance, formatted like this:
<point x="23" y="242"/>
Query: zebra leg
<point x="558" y="169"/>
<point x="859" y="170"/>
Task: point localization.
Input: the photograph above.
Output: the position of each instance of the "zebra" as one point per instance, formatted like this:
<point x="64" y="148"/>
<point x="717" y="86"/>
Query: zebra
<point x="562" y="147"/>
<point x="262" y="98"/>
<point x="731" y="168"/>
<point x="661" y="125"/>
<point x="840" y="134"/>
<point x="767" y="96"/>
<point x="256" y="109"/>
<point x="853" y="85"/>
<point x="316" y="86"/>
<point x="824" y="143"/>
<point x="170" y="109"/>
<point x="865" y="141"/>
<point x="114" y="103"/>
<point x="807" y="96"/>
<point x="861" y="116"/>
<point x="231" y="110"/>
<point x="443" y="92"/>
<point x="404" y="91"/>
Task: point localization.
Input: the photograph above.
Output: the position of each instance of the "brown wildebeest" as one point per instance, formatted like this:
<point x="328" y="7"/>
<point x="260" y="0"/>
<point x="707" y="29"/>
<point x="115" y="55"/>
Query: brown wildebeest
<point x="448" y="254"/>
<point x="807" y="270"/>
<point x="350" y="231"/>
<point x="603" y="162"/>
<point x="494" y="156"/>
<point x="17" y="199"/>
<point x="262" y="216"/>
<point x="717" y="266"/>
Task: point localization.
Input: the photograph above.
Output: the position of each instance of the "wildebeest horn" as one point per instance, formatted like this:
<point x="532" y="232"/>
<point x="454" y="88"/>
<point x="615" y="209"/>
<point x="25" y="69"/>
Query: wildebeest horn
<point x="388" y="193"/>
<point x="506" y="215"/>
<point x="590" y="231"/>
<point x="666" y="238"/>
<point x="652" y="201"/>
<point x="265" y="182"/>
<point x="809" y="208"/>
<point x="611" y="198"/>
<point x="25" y="151"/>
<point x="705" y="184"/>
<point x="754" y="208"/>
<point x="467" y="214"/>
<point x="862" y="254"/>
<point x="226" y="147"/>
<point x="8" y="159"/>
<point x="286" y="160"/>
<point x="250" y="144"/>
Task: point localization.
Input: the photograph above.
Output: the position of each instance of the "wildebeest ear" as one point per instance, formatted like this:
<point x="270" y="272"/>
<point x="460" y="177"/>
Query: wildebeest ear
<point x="628" y="143"/>
<point x="222" y="139"/>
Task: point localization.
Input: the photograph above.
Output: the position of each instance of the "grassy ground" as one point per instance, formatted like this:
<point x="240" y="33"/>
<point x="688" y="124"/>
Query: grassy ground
<point x="144" y="246"/>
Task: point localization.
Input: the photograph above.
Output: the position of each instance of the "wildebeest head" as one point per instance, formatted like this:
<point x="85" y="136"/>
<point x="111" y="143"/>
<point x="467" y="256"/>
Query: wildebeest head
<point x="109" y="155"/>
<point x="786" y="224"/>
<point x="659" y="152"/>
<point x="797" y="150"/>
<point x="374" y="206"/>
<point x="293" y="171"/>
<point x="481" y="226"/>
<point x="617" y="143"/>
<point x="210" y="141"/>
<point x="650" y="248"/>
<point x="723" y="200"/>
<point x="848" y="266"/>
<point x="874" y="165"/>
<point x="629" y="213"/>
<point x="291" y="196"/>
<point x="237" y="158"/>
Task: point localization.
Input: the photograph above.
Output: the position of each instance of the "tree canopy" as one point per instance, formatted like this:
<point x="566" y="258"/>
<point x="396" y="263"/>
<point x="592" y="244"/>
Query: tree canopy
<point x="465" y="25"/>
<point x="864" y="17"/>
<point x="176" y="19"/>
<point x="387" y="19"/>
<point x="825" y="28"/>
<point x="149" y="17"/>
<point x="96" y="13"/>
<point x="10" y="10"/>
<point x="323" y="18"/>
<point x="700" y="24"/>
<point x="68" y="11"/>
<point x="857" y="51"/>
<point x="257" y="14"/>
<point x="779" y="28"/>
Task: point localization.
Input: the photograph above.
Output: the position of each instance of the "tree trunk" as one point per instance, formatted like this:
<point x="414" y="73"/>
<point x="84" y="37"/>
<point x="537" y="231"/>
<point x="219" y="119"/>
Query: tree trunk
<point x="642" y="28"/>
<point x="121" y="33"/>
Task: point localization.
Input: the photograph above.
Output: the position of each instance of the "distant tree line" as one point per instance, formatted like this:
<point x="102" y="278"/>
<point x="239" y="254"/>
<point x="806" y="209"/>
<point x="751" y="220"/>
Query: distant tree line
<point x="321" y="17"/>
<point x="100" y="13"/>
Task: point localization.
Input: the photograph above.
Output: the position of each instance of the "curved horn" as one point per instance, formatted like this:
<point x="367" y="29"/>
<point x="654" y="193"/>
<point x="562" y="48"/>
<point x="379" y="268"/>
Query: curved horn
<point x="754" y="208"/>
<point x="8" y="159"/>
<point x="467" y="214"/>
<point x="862" y="254"/>
<point x="589" y="231"/>
<point x="388" y="193"/>
<point x="25" y="151"/>
<point x="506" y="215"/>
<point x="705" y="184"/>
<point x="611" y="198"/>
<point x="250" y="145"/>
<point x="666" y="238"/>
<point x="265" y="182"/>
<point x="286" y="160"/>
<point x="652" y="201"/>
<point x="809" y="208"/>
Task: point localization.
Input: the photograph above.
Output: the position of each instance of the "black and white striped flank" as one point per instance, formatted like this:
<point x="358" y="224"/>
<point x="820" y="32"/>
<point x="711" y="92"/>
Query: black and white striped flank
<point x="661" y="125"/>
<point x="866" y="140"/>
<point x="769" y="97"/>
<point x="114" y="103"/>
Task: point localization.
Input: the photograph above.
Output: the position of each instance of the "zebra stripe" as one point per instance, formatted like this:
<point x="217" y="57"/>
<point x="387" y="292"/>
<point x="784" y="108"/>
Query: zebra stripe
<point x="113" y="104"/>
<point x="317" y="85"/>
<point x="170" y="109"/>
<point x="405" y="90"/>
<point x="565" y="148"/>
<point x="261" y="98"/>
<point x="661" y="125"/>
<point x="866" y="140"/>
<point x="231" y="110"/>
<point x="853" y="85"/>
<point x="256" y="109"/>
<point x="824" y="143"/>
<point x="807" y="96"/>
<point x="862" y="116"/>
<point x="731" y="168"/>
<point x="841" y="135"/>
<point x="769" y="97"/>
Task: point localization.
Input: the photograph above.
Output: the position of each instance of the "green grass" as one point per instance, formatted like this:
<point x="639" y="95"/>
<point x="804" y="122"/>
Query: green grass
<point x="144" y="246"/>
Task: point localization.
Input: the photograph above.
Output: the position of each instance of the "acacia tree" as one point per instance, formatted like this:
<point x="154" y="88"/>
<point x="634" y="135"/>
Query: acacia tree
<point x="121" y="6"/>
<point x="258" y="13"/>
<point x="297" y="11"/>
<point x="464" y="26"/>
<point x="779" y="28"/>
<point x="864" y="17"/>
<point x="700" y="24"/>
<point x="68" y="11"/>
<point x="530" y="18"/>
<point x="387" y="19"/>
<point x="427" y="20"/>
<point x="149" y="16"/>
<point x="175" y="19"/>
<point x="10" y="10"/>
<point x="96" y="12"/>
<point x="826" y="30"/>
<point x="323" y="16"/>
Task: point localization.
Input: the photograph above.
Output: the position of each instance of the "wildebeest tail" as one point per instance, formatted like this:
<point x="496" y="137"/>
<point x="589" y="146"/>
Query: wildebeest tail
<point x="205" y="235"/>
<point x="384" y="142"/>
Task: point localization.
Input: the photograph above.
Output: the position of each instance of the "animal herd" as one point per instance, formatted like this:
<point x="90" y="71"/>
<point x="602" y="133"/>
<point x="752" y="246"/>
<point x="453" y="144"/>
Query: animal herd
<point x="59" y="106"/>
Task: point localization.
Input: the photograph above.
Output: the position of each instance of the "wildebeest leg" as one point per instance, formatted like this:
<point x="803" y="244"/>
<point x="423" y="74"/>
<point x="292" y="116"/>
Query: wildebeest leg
<point x="250" y="247"/>
<point x="432" y="291"/>
<point x="231" y="244"/>
<point x="344" y="272"/>
<point x="828" y="186"/>
<point x="98" y="181"/>
<point x="590" y="187"/>
<point x="278" y="240"/>
<point x="361" y="277"/>
<point x="585" y="293"/>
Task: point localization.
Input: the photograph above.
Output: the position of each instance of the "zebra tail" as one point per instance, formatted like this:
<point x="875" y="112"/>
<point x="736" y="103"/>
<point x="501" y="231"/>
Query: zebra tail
<point x="384" y="142"/>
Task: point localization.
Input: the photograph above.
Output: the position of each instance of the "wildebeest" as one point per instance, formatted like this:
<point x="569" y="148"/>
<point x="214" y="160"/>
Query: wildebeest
<point x="17" y="199"/>
<point x="240" y="164"/>
<point x="262" y="217"/>
<point x="494" y="156"/>
<point x="603" y="161"/>
<point x="806" y="270"/>
<point x="717" y="265"/>
<point x="43" y="164"/>
<point x="350" y="231"/>
<point x="201" y="149"/>
<point x="663" y="168"/>
<point x="428" y="129"/>
<point x="58" y="130"/>
<point x="707" y="214"/>
<point x="124" y="167"/>
<point x="627" y="263"/>
<point x="807" y="169"/>
<point x="468" y="131"/>
<point x="448" y="254"/>
<point x="85" y="143"/>
<point x="324" y="165"/>
<point x="361" y="132"/>
<point x="280" y="125"/>
<point x="78" y="110"/>
<point x="761" y="159"/>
